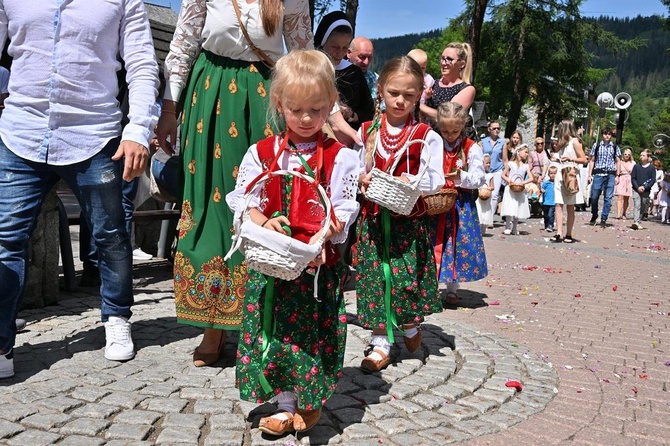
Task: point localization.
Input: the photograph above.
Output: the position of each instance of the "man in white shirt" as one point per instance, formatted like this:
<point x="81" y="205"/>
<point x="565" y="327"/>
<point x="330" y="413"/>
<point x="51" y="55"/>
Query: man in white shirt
<point x="62" y="120"/>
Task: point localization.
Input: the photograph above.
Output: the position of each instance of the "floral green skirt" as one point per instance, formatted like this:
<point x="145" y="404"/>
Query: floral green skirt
<point x="307" y="337"/>
<point x="414" y="292"/>
<point x="224" y="113"/>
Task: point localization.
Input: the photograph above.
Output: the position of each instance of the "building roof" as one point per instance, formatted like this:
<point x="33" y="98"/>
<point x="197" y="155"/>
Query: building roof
<point x="163" y="21"/>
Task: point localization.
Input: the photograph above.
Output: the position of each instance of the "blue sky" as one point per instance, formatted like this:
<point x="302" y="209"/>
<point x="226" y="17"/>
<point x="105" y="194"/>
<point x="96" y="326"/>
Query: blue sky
<point x="399" y="17"/>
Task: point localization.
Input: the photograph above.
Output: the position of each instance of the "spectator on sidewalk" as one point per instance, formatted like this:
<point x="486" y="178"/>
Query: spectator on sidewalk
<point x="65" y="122"/>
<point x="642" y="178"/>
<point x="548" y="200"/>
<point x="603" y="168"/>
<point x="493" y="146"/>
<point x="570" y="153"/>
<point x="539" y="160"/>
<point x="624" y="188"/>
<point x="360" y="54"/>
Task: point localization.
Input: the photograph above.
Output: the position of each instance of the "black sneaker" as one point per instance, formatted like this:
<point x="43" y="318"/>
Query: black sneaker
<point x="603" y="223"/>
<point x="593" y="221"/>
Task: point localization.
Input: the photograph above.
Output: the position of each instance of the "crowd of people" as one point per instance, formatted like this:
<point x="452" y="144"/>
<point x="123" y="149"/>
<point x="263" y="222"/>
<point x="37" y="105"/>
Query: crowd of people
<point x="258" y="130"/>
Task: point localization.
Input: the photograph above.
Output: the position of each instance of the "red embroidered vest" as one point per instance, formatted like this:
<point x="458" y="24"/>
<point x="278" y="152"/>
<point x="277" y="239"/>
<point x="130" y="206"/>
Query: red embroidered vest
<point x="449" y="163"/>
<point x="306" y="212"/>
<point x="411" y="164"/>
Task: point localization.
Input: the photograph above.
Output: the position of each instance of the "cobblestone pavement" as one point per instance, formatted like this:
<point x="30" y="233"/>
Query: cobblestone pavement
<point x="583" y="328"/>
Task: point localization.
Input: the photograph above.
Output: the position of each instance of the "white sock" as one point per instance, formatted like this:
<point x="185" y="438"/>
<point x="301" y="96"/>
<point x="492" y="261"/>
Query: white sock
<point x="452" y="287"/>
<point x="411" y="332"/>
<point x="508" y="222"/>
<point x="286" y="402"/>
<point x="382" y="343"/>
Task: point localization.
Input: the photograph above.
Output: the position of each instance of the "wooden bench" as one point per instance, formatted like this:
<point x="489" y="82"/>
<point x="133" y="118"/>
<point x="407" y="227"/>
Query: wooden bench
<point x="69" y="213"/>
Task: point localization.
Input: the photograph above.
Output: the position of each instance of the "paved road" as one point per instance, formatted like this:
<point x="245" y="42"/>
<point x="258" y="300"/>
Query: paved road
<point x="593" y="361"/>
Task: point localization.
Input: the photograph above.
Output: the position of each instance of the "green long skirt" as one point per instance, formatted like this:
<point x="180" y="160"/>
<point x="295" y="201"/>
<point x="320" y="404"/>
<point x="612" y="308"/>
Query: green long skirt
<point x="306" y="338"/>
<point x="225" y="112"/>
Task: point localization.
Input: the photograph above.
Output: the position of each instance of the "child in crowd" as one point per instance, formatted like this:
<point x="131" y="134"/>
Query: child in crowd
<point x="484" y="209"/>
<point x="281" y="353"/>
<point x="642" y="178"/>
<point x="421" y="57"/>
<point x="664" y="198"/>
<point x="512" y="143"/>
<point x="548" y="201"/>
<point x="459" y="248"/>
<point x="403" y="292"/>
<point x="515" y="204"/>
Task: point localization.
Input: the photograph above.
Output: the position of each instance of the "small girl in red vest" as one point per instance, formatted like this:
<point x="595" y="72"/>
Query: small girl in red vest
<point x="395" y="280"/>
<point x="291" y="343"/>
<point x="459" y="248"/>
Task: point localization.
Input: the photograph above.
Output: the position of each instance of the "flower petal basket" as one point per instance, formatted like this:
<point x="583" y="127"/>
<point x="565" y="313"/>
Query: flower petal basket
<point x="270" y="252"/>
<point x="440" y="202"/>
<point x="393" y="193"/>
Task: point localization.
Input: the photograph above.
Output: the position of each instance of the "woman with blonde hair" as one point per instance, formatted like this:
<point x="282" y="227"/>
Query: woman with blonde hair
<point x="570" y="153"/>
<point x="454" y="85"/>
<point x="624" y="188"/>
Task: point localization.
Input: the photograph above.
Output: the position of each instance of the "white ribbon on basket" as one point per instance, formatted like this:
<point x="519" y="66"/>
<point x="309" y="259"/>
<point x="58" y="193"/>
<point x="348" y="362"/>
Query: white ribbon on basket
<point x="278" y="243"/>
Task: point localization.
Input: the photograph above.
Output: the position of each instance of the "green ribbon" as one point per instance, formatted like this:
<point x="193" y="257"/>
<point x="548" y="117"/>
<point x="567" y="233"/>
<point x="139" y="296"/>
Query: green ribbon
<point x="268" y="330"/>
<point x="391" y="321"/>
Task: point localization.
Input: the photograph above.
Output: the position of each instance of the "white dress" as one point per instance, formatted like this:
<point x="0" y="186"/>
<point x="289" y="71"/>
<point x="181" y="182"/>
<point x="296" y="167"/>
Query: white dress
<point x="515" y="204"/>
<point x="484" y="209"/>
<point x="567" y="151"/>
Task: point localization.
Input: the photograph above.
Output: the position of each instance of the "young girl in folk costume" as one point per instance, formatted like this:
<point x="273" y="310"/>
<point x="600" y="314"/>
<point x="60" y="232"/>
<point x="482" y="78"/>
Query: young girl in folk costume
<point x="291" y="345"/>
<point x="515" y="204"/>
<point x="664" y="198"/>
<point x="484" y="209"/>
<point x="459" y="248"/>
<point x="395" y="281"/>
<point x="569" y="152"/>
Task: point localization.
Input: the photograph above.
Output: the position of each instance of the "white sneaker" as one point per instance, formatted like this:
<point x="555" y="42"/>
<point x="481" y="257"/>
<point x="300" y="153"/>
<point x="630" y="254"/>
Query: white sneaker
<point x="119" y="346"/>
<point x="138" y="254"/>
<point x="635" y="226"/>
<point x="507" y="231"/>
<point x="7" y="364"/>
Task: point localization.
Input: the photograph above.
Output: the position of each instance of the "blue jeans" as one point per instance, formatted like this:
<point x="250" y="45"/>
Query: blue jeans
<point x="602" y="183"/>
<point x="88" y="253"/>
<point x="548" y="211"/>
<point x="96" y="183"/>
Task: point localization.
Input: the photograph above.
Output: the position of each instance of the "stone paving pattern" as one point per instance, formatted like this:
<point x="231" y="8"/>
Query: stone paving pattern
<point x="583" y="327"/>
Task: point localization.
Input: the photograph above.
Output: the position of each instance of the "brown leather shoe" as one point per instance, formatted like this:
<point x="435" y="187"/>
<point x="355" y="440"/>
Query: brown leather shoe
<point x="412" y="344"/>
<point x="304" y="420"/>
<point x="275" y="426"/>
<point x="371" y="365"/>
<point x="205" y="359"/>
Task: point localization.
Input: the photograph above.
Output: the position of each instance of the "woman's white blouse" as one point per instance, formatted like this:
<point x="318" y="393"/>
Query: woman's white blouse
<point x="342" y="189"/>
<point x="212" y="25"/>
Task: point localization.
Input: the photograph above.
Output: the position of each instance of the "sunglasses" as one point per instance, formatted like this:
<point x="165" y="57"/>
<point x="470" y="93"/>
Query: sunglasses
<point x="495" y="128"/>
<point x="447" y="59"/>
<point x="539" y="143"/>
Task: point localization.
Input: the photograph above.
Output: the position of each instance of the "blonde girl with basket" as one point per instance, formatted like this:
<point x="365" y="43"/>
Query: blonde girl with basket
<point x="517" y="174"/>
<point x="292" y="339"/>
<point x="395" y="271"/>
<point x="459" y="248"/>
<point x="484" y="208"/>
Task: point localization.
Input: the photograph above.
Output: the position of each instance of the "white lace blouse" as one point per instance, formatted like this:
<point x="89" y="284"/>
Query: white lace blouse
<point x="433" y="180"/>
<point x="342" y="188"/>
<point x="212" y="25"/>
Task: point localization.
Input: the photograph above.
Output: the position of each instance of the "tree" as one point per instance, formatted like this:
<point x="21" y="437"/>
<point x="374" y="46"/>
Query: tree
<point x="536" y="54"/>
<point x="319" y="8"/>
<point x="475" y="31"/>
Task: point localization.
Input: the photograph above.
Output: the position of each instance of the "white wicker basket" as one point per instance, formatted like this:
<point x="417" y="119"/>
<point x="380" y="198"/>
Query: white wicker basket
<point x="270" y="252"/>
<point x="392" y="192"/>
